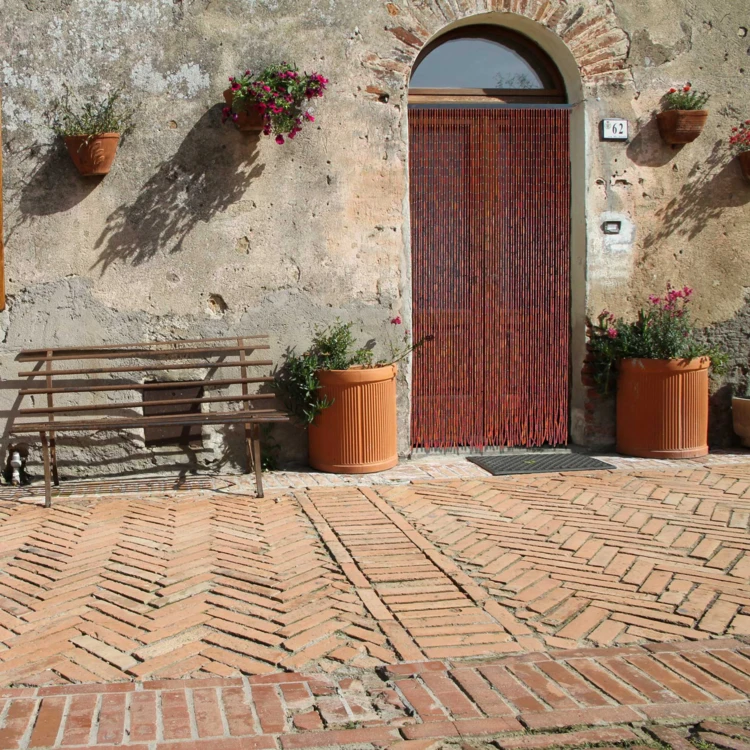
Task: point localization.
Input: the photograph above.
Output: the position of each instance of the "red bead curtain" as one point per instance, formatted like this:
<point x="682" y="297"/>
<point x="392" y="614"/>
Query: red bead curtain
<point x="490" y="213"/>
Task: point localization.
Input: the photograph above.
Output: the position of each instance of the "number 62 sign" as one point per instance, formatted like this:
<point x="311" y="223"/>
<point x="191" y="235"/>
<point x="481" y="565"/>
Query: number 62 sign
<point x="614" y="130"/>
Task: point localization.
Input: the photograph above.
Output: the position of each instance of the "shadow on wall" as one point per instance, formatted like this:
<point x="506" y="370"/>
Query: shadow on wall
<point x="210" y="171"/>
<point x="709" y="188"/>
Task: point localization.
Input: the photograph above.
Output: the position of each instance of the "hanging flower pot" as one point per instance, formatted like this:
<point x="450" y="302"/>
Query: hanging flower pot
<point x="279" y="94"/>
<point x="744" y="157"/>
<point x="249" y="118"/>
<point x="684" y="117"/>
<point x="92" y="131"/>
<point x="93" y="155"/>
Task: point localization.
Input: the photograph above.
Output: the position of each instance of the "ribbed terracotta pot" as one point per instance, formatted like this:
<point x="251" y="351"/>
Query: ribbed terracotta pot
<point x="741" y="419"/>
<point x="249" y="120"/>
<point x="678" y="126"/>
<point x="93" y="155"/>
<point x="662" y="407"/>
<point x="357" y="433"/>
<point x="744" y="157"/>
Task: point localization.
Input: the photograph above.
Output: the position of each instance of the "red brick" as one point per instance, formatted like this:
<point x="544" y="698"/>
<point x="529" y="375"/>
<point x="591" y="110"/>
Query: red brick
<point x="143" y="716"/>
<point x="47" y="722"/>
<point x="481" y="693"/>
<point x="272" y="679"/>
<point x="233" y="743"/>
<point x="308" y="722"/>
<point x="721" y="740"/>
<point x="269" y="709"/>
<point x="79" y="720"/>
<point x="698" y="711"/>
<point x="207" y="713"/>
<point x="672" y="737"/>
<point x="471" y="727"/>
<point x="691" y="673"/>
<point x="547" y="690"/>
<point x="399" y="671"/>
<point x="114" y="687"/>
<point x="111" y="719"/>
<point x="606" y="683"/>
<point x="584" y="717"/>
<point x="450" y="696"/>
<point x="571" y="739"/>
<point x="208" y="682"/>
<point x="238" y="713"/>
<point x="433" y="729"/>
<point x="337" y="737"/>
<point x="668" y="679"/>
<point x="175" y="716"/>
<point x="511" y="690"/>
<point x="421" y="701"/>
<point x="565" y="677"/>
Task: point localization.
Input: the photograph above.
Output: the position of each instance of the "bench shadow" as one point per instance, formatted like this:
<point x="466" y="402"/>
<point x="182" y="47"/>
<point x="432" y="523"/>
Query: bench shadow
<point x="211" y="170"/>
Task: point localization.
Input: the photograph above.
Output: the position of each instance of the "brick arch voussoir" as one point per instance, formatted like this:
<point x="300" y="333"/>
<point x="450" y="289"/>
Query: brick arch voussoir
<point x="590" y="29"/>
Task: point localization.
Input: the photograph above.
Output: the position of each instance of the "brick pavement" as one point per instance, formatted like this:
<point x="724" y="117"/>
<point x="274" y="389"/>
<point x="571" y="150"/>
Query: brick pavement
<point x="566" y="698"/>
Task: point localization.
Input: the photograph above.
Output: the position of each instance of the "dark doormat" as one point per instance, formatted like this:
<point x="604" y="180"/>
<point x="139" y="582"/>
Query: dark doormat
<point x="538" y="463"/>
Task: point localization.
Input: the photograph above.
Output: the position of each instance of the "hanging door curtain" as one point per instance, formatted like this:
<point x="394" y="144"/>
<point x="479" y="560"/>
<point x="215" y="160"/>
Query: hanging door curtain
<point x="490" y="216"/>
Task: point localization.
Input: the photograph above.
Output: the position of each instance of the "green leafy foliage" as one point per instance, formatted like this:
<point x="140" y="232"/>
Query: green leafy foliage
<point x="297" y="382"/>
<point x="94" y="117"/>
<point x="661" y="331"/>
<point x="685" y="98"/>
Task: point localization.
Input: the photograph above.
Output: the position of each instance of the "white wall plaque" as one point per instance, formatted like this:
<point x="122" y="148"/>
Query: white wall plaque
<point x="615" y="130"/>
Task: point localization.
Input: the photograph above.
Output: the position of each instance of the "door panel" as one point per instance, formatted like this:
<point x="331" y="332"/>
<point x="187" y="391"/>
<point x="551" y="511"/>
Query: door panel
<point x="490" y="213"/>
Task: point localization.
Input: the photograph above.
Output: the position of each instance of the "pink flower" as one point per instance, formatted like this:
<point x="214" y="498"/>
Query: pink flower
<point x="236" y="86"/>
<point x="266" y="88"/>
<point x="309" y="117"/>
<point x="396" y="321"/>
<point x="686" y="87"/>
<point x="280" y="140"/>
<point x="653" y="299"/>
<point x="612" y="333"/>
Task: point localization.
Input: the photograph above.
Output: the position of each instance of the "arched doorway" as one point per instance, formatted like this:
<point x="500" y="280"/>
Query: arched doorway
<point x="490" y="222"/>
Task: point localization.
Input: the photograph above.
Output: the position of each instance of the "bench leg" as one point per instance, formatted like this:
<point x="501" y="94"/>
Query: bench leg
<point x="47" y="472"/>
<point x="257" y="460"/>
<point x="53" y="456"/>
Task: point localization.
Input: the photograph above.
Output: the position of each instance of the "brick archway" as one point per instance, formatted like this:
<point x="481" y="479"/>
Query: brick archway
<point x="593" y="35"/>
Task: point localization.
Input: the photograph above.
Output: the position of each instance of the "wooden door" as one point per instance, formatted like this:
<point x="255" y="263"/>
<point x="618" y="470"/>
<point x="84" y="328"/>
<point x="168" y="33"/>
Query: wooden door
<point x="490" y="216"/>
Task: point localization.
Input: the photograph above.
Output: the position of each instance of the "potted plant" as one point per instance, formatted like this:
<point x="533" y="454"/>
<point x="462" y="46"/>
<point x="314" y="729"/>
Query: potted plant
<point x="740" y="143"/>
<point x="273" y="101"/>
<point x="683" y="117"/>
<point x="92" y="132"/>
<point x="347" y="401"/>
<point x="660" y="366"/>
<point x="741" y="415"/>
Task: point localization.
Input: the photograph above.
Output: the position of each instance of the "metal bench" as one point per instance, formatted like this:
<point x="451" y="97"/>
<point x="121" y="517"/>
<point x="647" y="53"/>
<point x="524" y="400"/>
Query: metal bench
<point x="155" y="365"/>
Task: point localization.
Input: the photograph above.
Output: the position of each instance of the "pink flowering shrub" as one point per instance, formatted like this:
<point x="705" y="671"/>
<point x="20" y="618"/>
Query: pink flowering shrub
<point x="662" y="330"/>
<point x="280" y="93"/>
<point x="740" y="138"/>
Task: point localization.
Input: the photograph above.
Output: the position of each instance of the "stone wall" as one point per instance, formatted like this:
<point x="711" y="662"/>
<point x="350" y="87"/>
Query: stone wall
<point x="201" y="230"/>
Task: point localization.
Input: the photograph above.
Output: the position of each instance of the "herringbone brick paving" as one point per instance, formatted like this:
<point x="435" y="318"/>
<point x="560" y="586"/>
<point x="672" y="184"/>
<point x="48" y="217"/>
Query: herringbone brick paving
<point x="212" y="583"/>
<point x="624" y="694"/>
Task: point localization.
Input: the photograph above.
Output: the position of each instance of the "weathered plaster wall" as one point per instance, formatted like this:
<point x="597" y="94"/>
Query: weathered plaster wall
<point x="201" y="230"/>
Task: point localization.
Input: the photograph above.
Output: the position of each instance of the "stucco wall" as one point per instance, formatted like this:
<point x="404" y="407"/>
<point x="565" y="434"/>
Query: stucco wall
<point x="201" y="230"/>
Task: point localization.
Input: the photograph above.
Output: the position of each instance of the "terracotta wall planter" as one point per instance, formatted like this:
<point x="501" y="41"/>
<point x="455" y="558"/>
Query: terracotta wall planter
<point x="662" y="408"/>
<point x="741" y="419"/>
<point x="93" y="155"/>
<point x="744" y="157"/>
<point x="678" y="126"/>
<point x="249" y="120"/>
<point x="357" y="434"/>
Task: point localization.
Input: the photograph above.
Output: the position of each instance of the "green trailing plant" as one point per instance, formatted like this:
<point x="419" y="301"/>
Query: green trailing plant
<point x="685" y="98"/>
<point x="333" y="348"/>
<point x="95" y="116"/>
<point x="663" y="330"/>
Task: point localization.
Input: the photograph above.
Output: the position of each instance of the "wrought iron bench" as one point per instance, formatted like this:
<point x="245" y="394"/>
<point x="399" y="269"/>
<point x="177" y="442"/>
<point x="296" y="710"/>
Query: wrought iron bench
<point x="154" y="406"/>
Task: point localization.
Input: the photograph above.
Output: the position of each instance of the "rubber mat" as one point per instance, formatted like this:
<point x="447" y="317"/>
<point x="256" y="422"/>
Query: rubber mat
<point x="538" y="463"/>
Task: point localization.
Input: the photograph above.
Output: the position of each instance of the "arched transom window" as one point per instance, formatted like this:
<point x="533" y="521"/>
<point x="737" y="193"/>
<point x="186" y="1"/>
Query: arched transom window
<point x="485" y="62"/>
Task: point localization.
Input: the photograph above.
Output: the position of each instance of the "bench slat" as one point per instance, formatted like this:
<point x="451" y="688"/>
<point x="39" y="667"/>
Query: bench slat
<point x="149" y="368"/>
<point x="135" y="404"/>
<point x="116" y="423"/>
<point x="142" y="344"/>
<point x="143" y="386"/>
<point x="117" y="353"/>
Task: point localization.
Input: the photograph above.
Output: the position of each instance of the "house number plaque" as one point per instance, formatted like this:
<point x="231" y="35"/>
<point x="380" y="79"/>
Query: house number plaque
<point x="614" y="130"/>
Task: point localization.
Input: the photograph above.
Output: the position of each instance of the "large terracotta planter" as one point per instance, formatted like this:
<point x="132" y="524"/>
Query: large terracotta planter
<point x="677" y="126"/>
<point x="357" y="433"/>
<point x="741" y="419"/>
<point x="93" y="155"/>
<point x="744" y="157"/>
<point x="249" y="120"/>
<point x="662" y="407"/>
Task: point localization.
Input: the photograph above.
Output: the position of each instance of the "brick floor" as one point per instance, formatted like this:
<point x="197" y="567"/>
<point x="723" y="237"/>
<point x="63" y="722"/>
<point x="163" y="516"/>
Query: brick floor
<point x="499" y="698"/>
